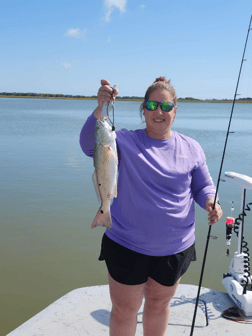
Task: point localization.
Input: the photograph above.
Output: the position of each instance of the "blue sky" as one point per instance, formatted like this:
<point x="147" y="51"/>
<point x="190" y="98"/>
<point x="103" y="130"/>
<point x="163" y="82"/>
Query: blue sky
<point x="68" y="46"/>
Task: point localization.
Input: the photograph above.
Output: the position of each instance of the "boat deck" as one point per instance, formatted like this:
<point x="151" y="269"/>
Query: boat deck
<point x="86" y="311"/>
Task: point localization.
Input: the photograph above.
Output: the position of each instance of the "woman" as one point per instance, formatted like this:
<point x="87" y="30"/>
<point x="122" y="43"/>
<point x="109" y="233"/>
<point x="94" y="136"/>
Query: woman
<point x="151" y="243"/>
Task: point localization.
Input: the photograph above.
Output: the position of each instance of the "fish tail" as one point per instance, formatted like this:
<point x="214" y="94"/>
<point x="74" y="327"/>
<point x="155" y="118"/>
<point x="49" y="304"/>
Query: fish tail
<point x="103" y="219"/>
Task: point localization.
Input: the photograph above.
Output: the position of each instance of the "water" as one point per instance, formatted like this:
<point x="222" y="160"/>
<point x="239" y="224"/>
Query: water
<point x="47" y="200"/>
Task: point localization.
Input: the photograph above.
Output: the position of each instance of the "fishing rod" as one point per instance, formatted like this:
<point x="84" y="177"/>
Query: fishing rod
<point x="218" y="182"/>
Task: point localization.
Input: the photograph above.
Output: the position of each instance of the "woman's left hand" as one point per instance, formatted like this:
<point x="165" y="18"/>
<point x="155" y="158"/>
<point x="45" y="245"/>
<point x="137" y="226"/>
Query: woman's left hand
<point x="213" y="215"/>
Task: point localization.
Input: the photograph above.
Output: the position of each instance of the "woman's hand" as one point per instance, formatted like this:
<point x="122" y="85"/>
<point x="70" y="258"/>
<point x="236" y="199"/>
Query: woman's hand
<point x="104" y="95"/>
<point x="213" y="215"/>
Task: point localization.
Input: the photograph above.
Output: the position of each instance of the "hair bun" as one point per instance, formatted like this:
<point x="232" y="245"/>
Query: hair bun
<point x="162" y="79"/>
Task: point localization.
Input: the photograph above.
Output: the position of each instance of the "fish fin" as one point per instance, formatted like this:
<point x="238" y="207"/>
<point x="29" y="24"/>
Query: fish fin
<point x="111" y="152"/>
<point x="115" y="191"/>
<point x="95" y="182"/>
<point x="103" y="219"/>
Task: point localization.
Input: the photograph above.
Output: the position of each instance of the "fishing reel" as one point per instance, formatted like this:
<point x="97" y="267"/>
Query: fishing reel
<point x="229" y="228"/>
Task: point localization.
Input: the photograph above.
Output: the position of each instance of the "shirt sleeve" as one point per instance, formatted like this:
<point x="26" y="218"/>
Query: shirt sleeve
<point x="202" y="185"/>
<point x="87" y="136"/>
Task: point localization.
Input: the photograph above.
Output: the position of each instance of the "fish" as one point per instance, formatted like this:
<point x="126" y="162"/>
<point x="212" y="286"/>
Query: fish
<point x="105" y="174"/>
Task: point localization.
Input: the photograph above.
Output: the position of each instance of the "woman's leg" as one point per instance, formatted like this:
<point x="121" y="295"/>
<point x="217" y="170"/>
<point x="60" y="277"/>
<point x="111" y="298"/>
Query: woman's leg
<point x="157" y="307"/>
<point x="126" y="302"/>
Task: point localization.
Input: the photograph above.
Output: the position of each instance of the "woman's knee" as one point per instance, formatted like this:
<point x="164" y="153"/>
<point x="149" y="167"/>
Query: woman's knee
<point x="126" y="299"/>
<point x="158" y="297"/>
<point x="157" y="306"/>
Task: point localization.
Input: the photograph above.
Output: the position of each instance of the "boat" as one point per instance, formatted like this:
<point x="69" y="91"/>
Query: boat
<point x="86" y="311"/>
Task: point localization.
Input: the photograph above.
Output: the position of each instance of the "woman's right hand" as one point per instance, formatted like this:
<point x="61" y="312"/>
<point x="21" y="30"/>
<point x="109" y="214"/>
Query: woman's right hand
<point x="104" y="95"/>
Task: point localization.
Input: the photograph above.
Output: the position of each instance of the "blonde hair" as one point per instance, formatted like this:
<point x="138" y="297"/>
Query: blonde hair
<point x="160" y="83"/>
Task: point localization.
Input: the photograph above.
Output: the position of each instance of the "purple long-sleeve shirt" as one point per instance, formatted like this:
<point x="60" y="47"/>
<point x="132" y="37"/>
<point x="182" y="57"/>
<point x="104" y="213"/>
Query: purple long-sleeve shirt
<point x="158" y="182"/>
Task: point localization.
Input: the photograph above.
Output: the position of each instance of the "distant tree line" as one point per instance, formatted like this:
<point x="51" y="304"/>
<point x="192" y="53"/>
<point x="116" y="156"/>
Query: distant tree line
<point x="31" y="94"/>
<point x="248" y="99"/>
<point x="48" y="95"/>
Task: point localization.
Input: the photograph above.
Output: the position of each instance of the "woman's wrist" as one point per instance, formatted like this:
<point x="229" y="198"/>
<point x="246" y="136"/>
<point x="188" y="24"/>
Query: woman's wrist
<point x="98" y="112"/>
<point x="211" y="199"/>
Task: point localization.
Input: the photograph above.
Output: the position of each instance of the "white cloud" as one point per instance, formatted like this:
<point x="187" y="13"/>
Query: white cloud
<point x="142" y="6"/>
<point x="111" y="4"/>
<point x="65" y="65"/>
<point x="76" y="33"/>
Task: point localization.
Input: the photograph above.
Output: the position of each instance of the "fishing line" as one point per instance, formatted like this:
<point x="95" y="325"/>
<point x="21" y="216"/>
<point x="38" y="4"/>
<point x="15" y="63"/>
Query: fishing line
<point x="216" y="268"/>
<point x="218" y="182"/>
<point x="247" y="88"/>
<point x="249" y="94"/>
<point x="111" y="104"/>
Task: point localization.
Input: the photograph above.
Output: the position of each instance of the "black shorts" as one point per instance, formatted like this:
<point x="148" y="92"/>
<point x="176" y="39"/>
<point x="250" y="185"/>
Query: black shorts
<point x="132" y="268"/>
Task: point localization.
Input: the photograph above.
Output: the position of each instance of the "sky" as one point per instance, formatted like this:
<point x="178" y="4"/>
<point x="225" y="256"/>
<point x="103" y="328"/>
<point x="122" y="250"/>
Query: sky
<point x="67" y="47"/>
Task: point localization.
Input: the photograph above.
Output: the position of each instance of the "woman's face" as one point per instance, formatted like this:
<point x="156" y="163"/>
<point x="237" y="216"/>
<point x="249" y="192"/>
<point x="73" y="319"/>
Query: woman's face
<point x="158" y="122"/>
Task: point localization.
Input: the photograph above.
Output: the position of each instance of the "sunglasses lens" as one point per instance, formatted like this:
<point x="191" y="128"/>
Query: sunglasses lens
<point x="151" y="105"/>
<point x="167" y="107"/>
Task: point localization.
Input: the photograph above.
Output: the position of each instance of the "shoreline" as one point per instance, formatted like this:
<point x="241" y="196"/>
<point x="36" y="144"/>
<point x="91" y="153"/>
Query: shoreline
<point x="244" y="101"/>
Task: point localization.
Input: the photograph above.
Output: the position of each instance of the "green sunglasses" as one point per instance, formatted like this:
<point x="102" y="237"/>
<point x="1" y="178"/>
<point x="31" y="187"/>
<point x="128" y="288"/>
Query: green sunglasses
<point x="153" y="105"/>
